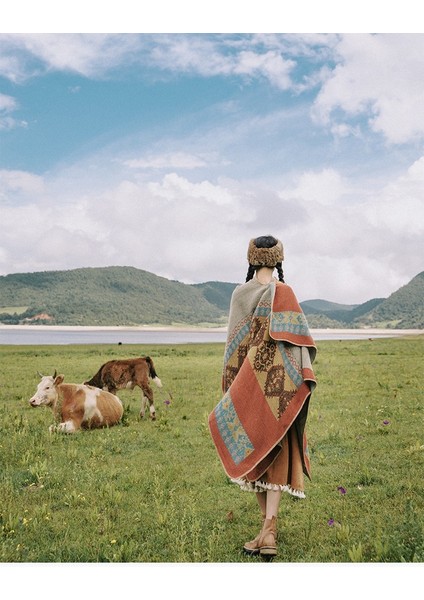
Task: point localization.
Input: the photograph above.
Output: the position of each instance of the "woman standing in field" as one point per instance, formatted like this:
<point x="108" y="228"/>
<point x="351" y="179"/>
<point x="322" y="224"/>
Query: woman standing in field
<point x="258" y="426"/>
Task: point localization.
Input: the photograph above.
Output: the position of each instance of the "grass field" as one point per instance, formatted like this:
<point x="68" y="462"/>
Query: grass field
<point x="152" y="492"/>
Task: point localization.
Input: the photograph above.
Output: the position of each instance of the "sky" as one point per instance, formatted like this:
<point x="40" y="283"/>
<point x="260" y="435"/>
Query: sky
<point x="168" y="152"/>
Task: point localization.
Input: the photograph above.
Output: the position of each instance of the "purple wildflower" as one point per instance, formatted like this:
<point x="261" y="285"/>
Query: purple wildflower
<point x="341" y="489"/>
<point x="330" y="522"/>
<point x="386" y="422"/>
<point x="167" y="402"/>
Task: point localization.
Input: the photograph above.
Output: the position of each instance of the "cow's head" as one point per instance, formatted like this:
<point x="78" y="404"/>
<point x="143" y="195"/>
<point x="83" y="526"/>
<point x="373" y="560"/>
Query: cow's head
<point x="46" y="394"/>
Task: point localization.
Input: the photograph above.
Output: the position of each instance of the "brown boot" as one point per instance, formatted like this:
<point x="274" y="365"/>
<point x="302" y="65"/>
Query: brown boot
<point x="252" y="547"/>
<point x="268" y="541"/>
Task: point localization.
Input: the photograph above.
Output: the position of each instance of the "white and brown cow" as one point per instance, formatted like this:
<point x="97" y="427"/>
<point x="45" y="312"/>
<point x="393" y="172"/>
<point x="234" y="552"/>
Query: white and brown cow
<point x="127" y="374"/>
<point x="77" y="406"/>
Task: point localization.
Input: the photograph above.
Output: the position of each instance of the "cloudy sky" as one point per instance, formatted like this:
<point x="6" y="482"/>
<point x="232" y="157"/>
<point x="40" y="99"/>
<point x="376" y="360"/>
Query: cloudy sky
<point x="168" y="152"/>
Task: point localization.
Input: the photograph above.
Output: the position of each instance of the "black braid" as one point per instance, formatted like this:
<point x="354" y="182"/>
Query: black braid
<point x="279" y="268"/>
<point x="250" y="272"/>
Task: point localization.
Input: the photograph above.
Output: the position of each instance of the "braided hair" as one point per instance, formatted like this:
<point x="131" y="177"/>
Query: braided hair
<point x="265" y="241"/>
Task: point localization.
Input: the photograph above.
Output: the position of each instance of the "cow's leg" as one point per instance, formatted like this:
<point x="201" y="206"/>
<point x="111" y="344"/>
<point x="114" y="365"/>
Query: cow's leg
<point x="65" y="427"/>
<point x="72" y="420"/>
<point x="147" y="396"/>
<point x="143" y="405"/>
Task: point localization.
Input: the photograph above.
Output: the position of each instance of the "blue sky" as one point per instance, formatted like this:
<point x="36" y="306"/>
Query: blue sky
<point x="168" y="152"/>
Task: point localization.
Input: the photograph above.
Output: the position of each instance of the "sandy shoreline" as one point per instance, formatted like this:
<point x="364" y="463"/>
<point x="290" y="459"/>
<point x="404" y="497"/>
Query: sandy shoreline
<point x="110" y="328"/>
<point x="368" y="332"/>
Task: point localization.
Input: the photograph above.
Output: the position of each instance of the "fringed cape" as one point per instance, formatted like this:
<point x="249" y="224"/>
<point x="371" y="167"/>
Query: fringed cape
<point x="267" y="379"/>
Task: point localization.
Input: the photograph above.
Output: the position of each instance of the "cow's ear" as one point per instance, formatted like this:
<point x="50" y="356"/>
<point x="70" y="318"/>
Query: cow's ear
<point x="59" y="379"/>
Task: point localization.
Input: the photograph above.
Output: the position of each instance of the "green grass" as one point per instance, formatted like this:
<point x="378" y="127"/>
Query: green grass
<point x="12" y="310"/>
<point x="148" y="491"/>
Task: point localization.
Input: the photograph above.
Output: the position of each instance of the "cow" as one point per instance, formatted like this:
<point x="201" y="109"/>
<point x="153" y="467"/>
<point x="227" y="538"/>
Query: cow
<point x="127" y="374"/>
<point x="77" y="406"/>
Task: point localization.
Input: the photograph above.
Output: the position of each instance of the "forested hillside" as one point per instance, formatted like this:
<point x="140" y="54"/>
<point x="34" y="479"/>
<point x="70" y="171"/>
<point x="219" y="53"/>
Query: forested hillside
<point x="103" y="296"/>
<point x="403" y="309"/>
<point x="217" y="293"/>
<point x="129" y="296"/>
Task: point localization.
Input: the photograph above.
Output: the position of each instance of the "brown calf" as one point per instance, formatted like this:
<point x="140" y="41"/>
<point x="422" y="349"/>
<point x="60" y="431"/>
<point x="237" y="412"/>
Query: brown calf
<point x="77" y="406"/>
<point x="127" y="374"/>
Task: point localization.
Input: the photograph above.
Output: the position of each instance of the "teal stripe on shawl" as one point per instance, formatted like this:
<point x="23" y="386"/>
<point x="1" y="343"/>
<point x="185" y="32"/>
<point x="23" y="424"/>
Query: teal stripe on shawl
<point x="231" y="430"/>
<point x="294" y="373"/>
<point x="289" y="322"/>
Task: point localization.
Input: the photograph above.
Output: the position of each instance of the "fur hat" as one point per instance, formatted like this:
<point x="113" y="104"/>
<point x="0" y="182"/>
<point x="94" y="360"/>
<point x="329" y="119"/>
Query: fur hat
<point x="265" y="257"/>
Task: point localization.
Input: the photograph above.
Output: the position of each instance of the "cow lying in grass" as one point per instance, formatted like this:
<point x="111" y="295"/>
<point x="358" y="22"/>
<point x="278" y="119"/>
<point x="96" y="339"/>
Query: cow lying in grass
<point x="77" y="406"/>
<point x="127" y="374"/>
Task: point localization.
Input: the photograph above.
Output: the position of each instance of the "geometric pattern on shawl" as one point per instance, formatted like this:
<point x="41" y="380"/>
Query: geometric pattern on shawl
<point x="231" y="430"/>
<point x="267" y="382"/>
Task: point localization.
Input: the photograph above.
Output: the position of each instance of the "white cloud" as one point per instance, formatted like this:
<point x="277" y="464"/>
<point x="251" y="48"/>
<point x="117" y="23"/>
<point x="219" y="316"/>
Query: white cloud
<point x="176" y="188"/>
<point x="8" y="104"/>
<point x="198" y="231"/>
<point x="171" y="227"/>
<point x="91" y="55"/>
<point x="378" y="77"/>
<point x="250" y="57"/>
<point x="94" y="55"/>
<point x="269" y="64"/>
<point x="20" y="181"/>
<point x="176" y="160"/>
<point x="362" y="248"/>
<point x="319" y="189"/>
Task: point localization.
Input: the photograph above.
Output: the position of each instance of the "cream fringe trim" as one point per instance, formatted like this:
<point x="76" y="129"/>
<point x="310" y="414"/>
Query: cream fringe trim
<point x="261" y="486"/>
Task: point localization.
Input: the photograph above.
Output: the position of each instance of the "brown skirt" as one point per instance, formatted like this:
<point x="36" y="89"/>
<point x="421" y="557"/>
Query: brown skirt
<point x="284" y="474"/>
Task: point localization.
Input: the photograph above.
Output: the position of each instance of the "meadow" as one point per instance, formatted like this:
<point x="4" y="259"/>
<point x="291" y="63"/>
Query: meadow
<point x="155" y="492"/>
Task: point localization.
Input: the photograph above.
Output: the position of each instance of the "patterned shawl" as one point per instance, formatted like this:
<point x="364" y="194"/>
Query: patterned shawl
<point x="267" y="379"/>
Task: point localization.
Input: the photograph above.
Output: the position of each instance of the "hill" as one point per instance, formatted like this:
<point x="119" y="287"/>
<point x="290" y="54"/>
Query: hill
<point x="404" y="309"/>
<point x="330" y="314"/>
<point x="313" y="307"/>
<point x="217" y="293"/>
<point x="103" y="296"/>
<point x="125" y="296"/>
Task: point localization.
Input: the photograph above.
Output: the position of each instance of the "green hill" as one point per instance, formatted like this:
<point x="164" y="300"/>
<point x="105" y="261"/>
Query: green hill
<point x="103" y="296"/>
<point x="217" y="293"/>
<point x="313" y="307"/>
<point x="127" y="296"/>
<point x="404" y="309"/>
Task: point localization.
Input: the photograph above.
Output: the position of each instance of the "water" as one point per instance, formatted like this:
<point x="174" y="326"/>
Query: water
<point x="48" y="336"/>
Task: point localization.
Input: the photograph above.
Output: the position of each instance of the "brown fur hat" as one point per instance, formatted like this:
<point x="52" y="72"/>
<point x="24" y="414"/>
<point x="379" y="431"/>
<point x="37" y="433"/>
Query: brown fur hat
<point x="265" y="257"/>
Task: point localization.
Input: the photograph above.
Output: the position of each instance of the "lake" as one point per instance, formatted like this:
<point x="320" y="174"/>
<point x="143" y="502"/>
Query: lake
<point x="45" y="335"/>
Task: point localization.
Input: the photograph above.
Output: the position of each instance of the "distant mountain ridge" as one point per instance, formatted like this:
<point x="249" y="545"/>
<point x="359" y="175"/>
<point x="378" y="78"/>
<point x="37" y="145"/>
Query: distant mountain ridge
<point x="126" y="296"/>
<point x="404" y="309"/>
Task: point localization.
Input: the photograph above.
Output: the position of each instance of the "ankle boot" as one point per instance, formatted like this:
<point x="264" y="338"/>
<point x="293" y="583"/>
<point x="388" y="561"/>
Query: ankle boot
<point x="268" y="540"/>
<point x="252" y="547"/>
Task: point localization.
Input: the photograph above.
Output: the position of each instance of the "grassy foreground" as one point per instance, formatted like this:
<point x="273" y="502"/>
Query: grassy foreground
<point x="156" y="492"/>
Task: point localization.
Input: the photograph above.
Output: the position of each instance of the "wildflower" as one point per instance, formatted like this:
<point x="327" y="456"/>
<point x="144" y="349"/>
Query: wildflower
<point x="113" y="541"/>
<point x="330" y="522"/>
<point x="386" y="422"/>
<point x="341" y="489"/>
<point x="167" y="402"/>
